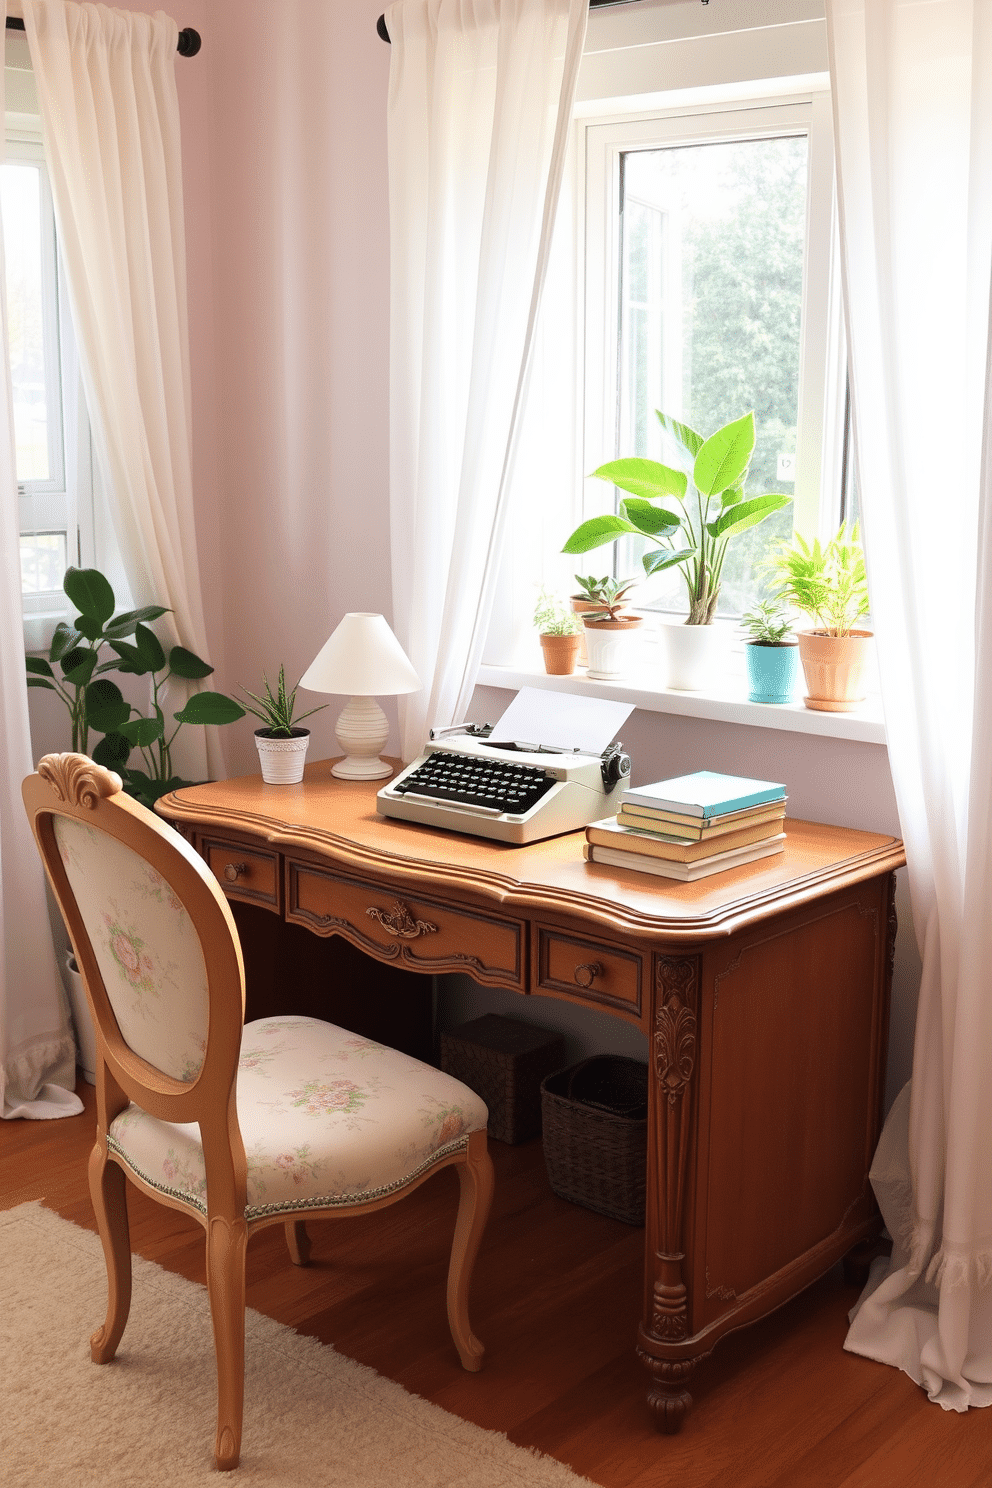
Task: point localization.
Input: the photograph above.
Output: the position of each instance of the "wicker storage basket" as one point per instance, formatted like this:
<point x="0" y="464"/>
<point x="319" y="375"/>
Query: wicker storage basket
<point x="504" y="1061"/>
<point x="596" y="1135"/>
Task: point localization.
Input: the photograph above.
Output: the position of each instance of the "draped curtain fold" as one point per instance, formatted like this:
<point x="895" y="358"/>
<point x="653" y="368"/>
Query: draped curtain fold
<point x="480" y="99"/>
<point x="37" y="1051"/>
<point x="912" y="90"/>
<point x="110" y="120"/>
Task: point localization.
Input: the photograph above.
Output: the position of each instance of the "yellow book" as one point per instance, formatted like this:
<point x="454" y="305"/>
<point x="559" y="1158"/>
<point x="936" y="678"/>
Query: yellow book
<point x="686" y="872"/>
<point x="616" y="834"/>
<point x="687" y="828"/>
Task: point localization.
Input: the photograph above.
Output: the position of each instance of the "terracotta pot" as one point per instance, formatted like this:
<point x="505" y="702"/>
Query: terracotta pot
<point x="560" y="653"/>
<point x="835" y="668"/>
<point x="609" y="644"/>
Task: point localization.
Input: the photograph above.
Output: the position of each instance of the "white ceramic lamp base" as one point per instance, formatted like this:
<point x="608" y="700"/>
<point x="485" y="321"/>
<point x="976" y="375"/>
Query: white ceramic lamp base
<point x="362" y="731"/>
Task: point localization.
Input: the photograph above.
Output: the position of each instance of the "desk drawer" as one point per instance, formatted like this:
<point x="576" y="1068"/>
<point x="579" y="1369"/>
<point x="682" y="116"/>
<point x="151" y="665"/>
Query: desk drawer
<point x="417" y="932"/>
<point x="588" y="969"/>
<point x="242" y="872"/>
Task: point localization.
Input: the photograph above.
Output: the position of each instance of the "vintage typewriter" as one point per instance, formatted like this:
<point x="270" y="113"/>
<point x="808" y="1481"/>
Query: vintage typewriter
<point x="509" y="790"/>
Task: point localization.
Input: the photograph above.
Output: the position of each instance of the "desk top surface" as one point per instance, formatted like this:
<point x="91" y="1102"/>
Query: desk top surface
<point x="336" y="821"/>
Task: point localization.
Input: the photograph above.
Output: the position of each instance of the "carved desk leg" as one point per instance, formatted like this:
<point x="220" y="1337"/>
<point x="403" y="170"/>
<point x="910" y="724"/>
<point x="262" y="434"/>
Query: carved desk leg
<point x="673" y="1059"/>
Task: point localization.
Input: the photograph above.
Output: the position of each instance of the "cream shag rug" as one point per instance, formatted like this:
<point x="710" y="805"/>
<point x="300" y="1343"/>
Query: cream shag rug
<point x="147" y="1420"/>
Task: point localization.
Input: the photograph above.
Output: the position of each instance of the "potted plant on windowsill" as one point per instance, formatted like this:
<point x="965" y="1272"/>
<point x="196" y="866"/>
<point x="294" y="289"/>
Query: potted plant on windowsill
<point x="828" y="582"/>
<point x="609" y="627"/>
<point x="688" y="523"/>
<point x="772" y="653"/>
<point x="560" y="632"/>
<point x="281" y="743"/>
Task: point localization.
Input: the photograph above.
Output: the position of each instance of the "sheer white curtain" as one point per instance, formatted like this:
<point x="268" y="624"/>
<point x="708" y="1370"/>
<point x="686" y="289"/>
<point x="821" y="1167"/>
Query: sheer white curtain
<point x="110" y="118"/>
<point x="480" y="98"/>
<point x="37" y="1052"/>
<point x="913" y="115"/>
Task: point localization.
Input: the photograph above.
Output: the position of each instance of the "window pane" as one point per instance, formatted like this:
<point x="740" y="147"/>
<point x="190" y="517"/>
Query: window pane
<point x="713" y="246"/>
<point x="43" y="562"/>
<point x="20" y="197"/>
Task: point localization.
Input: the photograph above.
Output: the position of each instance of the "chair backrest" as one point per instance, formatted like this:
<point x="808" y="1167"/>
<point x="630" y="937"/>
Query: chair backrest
<point x="153" y="937"/>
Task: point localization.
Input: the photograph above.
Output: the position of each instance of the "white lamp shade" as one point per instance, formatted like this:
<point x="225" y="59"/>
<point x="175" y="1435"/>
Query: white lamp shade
<point x="361" y="659"/>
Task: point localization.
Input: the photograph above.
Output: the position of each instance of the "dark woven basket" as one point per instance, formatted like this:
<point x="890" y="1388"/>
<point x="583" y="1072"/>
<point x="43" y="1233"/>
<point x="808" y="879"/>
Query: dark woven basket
<point x="504" y="1061"/>
<point x="595" y="1118"/>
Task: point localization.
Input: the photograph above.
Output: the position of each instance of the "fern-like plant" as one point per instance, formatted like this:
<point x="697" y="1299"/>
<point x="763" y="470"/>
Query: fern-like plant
<point x="826" y="581"/>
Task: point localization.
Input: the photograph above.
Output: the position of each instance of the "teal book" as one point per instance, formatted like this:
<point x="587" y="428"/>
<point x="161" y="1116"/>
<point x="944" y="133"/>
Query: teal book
<point x="704" y="794"/>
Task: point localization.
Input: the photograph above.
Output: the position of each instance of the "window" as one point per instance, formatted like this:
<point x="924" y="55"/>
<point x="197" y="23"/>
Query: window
<point x="693" y="271"/>
<point x="708" y="293"/>
<point x="51" y="441"/>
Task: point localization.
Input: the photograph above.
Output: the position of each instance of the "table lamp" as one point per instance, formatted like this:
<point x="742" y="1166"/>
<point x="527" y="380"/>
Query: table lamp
<point x="364" y="659"/>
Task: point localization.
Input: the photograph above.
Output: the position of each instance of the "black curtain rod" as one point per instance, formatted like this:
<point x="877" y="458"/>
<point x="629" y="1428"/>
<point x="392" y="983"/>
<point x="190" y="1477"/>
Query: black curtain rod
<point x="187" y="46"/>
<point x="380" y="24"/>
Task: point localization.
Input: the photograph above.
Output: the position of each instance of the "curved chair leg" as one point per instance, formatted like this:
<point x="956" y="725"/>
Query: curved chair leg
<point x="107" y="1190"/>
<point x="475" y="1177"/>
<point x="227" y="1241"/>
<point x="298" y="1241"/>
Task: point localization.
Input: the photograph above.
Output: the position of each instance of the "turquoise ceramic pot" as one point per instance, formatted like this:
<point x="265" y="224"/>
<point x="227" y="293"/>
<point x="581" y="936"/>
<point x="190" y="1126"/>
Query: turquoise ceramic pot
<point x="773" y="672"/>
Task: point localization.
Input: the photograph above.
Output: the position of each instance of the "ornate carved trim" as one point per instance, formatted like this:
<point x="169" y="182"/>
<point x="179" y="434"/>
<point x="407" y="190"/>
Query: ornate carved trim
<point x="725" y="1293"/>
<point x="673" y="1049"/>
<point x="400" y="921"/>
<point x="77" y="780"/>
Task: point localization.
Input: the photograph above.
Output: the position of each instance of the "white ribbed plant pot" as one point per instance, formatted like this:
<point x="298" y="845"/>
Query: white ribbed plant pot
<point x="82" y="1020"/>
<point x="611" y="646"/>
<point x="692" y="654"/>
<point x="281" y="758"/>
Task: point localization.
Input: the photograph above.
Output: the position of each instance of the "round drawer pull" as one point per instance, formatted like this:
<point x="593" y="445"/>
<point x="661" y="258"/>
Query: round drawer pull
<point x="587" y="974"/>
<point x="233" y="871"/>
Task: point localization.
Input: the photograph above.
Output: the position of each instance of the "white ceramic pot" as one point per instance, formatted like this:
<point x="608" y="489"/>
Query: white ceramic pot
<point x="82" y="1020"/>
<point x="611" y="646"/>
<point x="281" y="758"/>
<point x="693" y="654"/>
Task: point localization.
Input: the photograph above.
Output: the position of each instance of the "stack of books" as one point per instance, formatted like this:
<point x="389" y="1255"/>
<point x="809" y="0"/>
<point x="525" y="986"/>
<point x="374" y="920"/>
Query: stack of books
<point x="691" y="826"/>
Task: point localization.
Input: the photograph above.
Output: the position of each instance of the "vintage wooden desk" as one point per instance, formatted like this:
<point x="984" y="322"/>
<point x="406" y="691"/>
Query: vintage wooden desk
<point x="763" y="992"/>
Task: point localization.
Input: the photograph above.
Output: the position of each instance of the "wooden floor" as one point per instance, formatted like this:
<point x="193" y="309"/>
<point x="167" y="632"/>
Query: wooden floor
<point x="556" y="1301"/>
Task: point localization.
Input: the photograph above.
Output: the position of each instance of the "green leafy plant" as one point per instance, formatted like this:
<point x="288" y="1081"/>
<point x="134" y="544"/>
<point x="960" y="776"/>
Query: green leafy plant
<point x="276" y="709"/>
<point x="555" y="618"/>
<point x="827" y="581"/>
<point x="96" y="704"/>
<point x="608" y="595"/>
<point x="767" y="623"/>
<point x="688" y="522"/>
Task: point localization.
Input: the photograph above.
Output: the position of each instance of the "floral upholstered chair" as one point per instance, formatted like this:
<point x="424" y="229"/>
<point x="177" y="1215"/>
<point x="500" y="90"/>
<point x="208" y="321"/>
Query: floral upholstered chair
<point x="238" y="1126"/>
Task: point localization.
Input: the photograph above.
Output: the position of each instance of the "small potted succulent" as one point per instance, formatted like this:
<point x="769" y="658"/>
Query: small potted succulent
<point x="560" y="633"/>
<point x="828" y="582"/>
<point x="609" y="627"/>
<point x="281" y="743"/>
<point x="772" y="653"/>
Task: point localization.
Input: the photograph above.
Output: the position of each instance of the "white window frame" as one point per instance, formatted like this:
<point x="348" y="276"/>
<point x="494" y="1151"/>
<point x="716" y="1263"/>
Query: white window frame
<point x="65" y="502"/>
<point x="820" y="433"/>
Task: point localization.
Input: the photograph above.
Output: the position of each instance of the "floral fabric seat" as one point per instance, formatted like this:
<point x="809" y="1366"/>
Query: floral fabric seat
<point x="328" y="1119"/>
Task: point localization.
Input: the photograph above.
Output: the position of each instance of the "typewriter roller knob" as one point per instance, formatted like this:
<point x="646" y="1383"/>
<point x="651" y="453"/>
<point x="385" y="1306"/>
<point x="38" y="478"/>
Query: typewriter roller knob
<point x="615" y="766"/>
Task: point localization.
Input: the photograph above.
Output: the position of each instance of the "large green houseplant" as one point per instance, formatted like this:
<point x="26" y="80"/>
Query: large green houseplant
<point x="76" y="671"/>
<point x="827" y="582"/>
<point x="687" y="523"/>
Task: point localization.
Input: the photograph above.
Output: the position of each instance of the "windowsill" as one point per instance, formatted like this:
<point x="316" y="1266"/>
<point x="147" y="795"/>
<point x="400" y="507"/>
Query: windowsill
<point x="723" y="703"/>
